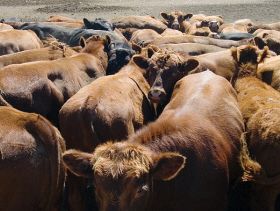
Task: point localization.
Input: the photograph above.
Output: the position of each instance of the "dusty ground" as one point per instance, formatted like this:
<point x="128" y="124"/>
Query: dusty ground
<point x="257" y="10"/>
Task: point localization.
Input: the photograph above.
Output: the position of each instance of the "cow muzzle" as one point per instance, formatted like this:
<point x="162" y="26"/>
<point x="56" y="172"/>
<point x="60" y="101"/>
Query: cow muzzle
<point x="175" y="26"/>
<point x="156" y="95"/>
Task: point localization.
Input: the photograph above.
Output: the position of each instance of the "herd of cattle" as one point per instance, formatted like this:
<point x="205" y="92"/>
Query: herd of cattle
<point x="138" y="113"/>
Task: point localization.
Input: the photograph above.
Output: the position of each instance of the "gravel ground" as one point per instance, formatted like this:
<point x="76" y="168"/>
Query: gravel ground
<point x="257" y="10"/>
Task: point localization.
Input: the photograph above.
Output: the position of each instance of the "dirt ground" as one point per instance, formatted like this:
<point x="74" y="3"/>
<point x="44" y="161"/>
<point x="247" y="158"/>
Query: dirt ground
<point x="27" y="10"/>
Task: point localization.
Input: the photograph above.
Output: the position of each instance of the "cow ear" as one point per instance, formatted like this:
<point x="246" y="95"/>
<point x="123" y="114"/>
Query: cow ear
<point x="234" y="53"/>
<point x="259" y="42"/>
<point x="79" y="163"/>
<point x="87" y="23"/>
<point x="151" y="52"/>
<point x="136" y="47"/>
<point x="264" y="54"/>
<point x="164" y="15"/>
<point x="167" y="166"/>
<point x="141" y="61"/>
<point x="82" y="42"/>
<point x="107" y="40"/>
<point x="188" y="16"/>
<point x="189" y="65"/>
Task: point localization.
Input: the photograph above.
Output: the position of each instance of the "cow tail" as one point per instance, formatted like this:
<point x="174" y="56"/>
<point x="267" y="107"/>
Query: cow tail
<point x="251" y="168"/>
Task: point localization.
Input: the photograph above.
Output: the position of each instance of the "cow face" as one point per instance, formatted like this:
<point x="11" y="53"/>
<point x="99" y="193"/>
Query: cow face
<point x="163" y="71"/>
<point x="175" y="19"/>
<point x="214" y="26"/>
<point x="247" y="58"/>
<point x="119" y="55"/>
<point x="123" y="173"/>
<point x="266" y="39"/>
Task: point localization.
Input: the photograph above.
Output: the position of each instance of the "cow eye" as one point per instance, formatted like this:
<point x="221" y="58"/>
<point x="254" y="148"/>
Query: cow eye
<point x="142" y="190"/>
<point x="112" y="46"/>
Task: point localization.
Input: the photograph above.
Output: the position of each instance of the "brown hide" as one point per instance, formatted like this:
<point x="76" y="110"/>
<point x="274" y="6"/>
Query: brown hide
<point x="110" y="108"/>
<point x="49" y="53"/>
<point x="44" y="86"/>
<point x="269" y="26"/>
<point x="220" y="63"/>
<point x="12" y="41"/>
<point x="4" y="26"/>
<point x="206" y="132"/>
<point x="260" y="106"/>
<point x="191" y="48"/>
<point x="269" y="72"/>
<point x="31" y="170"/>
<point x="139" y="22"/>
<point x="196" y="39"/>
<point x="144" y="35"/>
<point x="270" y="38"/>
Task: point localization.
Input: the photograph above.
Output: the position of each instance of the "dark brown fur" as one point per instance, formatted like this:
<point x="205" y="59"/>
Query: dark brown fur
<point x="260" y="106"/>
<point x="206" y="132"/>
<point x="44" y="86"/>
<point x="31" y="171"/>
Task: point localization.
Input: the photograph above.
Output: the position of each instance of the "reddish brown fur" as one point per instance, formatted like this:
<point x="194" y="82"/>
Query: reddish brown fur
<point x="18" y="40"/>
<point x="269" y="71"/>
<point x="196" y="39"/>
<point x="44" y="86"/>
<point x="4" y="26"/>
<point x="260" y="106"/>
<point x="206" y="132"/>
<point x="110" y="108"/>
<point x="31" y="171"/>
<point x="55" y="51"/>
<point x="139" y="22"/>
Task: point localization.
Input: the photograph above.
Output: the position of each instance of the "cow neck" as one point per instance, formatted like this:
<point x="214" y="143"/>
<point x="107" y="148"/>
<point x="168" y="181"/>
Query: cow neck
<point x="136" y="75"/>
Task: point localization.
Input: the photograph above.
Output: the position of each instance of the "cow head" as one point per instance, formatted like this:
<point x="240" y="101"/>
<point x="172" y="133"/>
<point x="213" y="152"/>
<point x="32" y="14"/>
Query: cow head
<point x="98" y="46"/>
<point x="214" y="26"/>
<point x="175" y="19"/>
<point x="247" y="59"/>
<point x="123" y="173"/>
<point x="265" y="39"/>
<point x="98" y="24"/>
<point x="163" y="70"/>
<point x="119" y="54"/>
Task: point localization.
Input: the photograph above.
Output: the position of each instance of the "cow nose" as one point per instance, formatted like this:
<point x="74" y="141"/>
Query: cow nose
<point x="155" y="95"/>
<point x="175" y="26"/>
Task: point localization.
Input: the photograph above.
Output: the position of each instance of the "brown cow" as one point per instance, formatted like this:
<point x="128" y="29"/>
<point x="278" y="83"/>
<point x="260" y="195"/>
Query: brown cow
<point x="186" y="160"/>
<point x="192" y="48"/>
<point x="177" y="20"/>
<point x="55" y="51"/>
<point x="139" y="22"/>
<point x="59" y="18"/>
<point x="260" y="106"/>
<point x="12" y="41"/>
<point x="31" y="170"/>
<point x="171" y="32"/>
<point x="270" y="26"/>
<point x="110" y="108"/>
<point x="270" y="38"/>
<point x="239" y="26"/>
<point x="164" y="69"/>
<point x="44" y="86"/>
<point x="144" y="35"/>
<point x="269" y="71"/>
<point x="4" y="26"/>
<point x="197" y="39"/>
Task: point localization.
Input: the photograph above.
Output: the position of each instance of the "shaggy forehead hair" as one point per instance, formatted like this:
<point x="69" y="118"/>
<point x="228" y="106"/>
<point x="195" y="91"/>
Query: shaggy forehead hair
<point x="166" y="58"/>
<point x="121" y="159"/>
